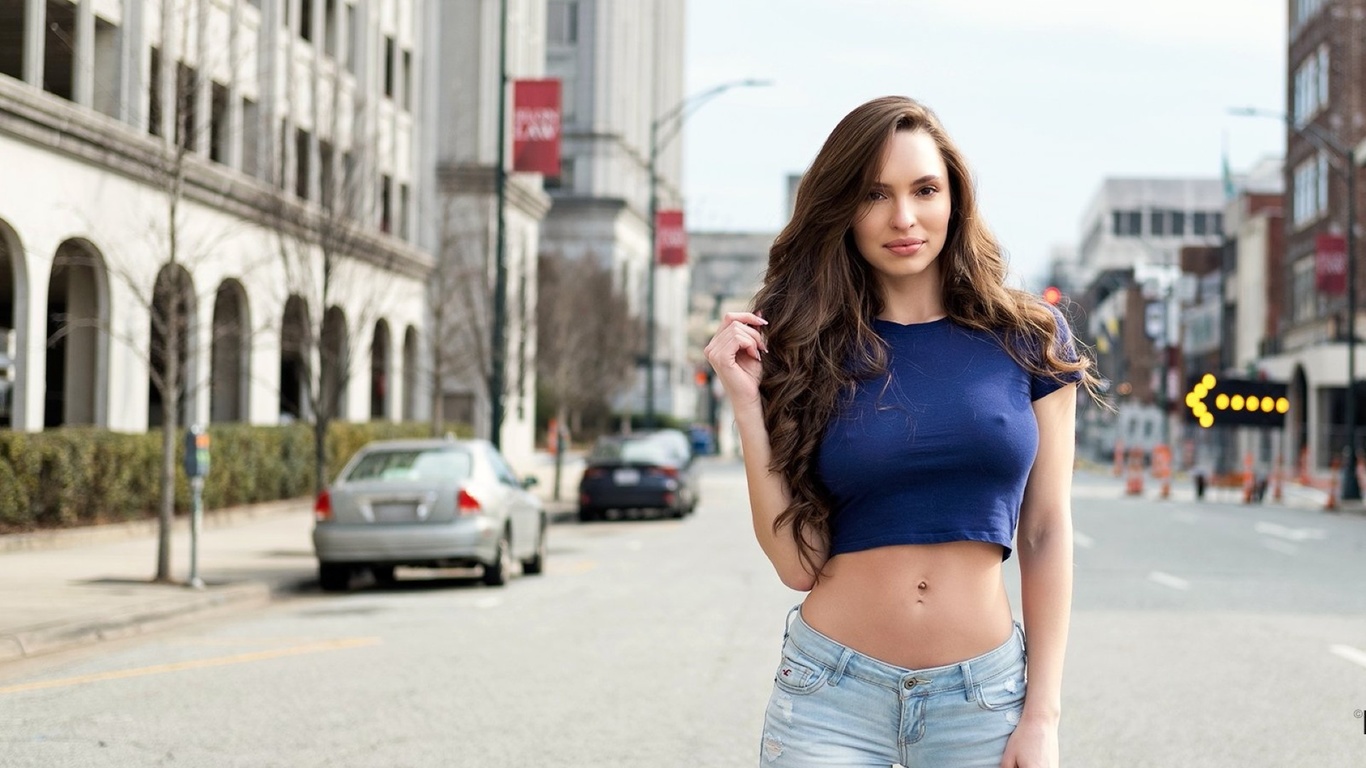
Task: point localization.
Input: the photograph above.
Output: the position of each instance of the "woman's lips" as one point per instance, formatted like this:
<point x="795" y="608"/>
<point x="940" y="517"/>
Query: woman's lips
<point x="905" y="247"/>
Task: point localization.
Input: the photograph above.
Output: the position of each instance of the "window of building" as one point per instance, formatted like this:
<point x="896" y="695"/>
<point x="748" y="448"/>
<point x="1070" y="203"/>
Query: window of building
<point x="352" y="35"/>
<point x="1126" y="223"/>
<point x="1200" y="223"/>
<point x="218" y="124"/>
<point x="187" y="107"/>
<point x="1157" y="222"/>
<point x="565" y="181"/>
<point x="1310" y="193"/>
<point x="302" y="139"/>
<point x="407" y="100"/>
<point x="306" y="19"/>
<point x="329" y="28"/>
<point x="1177" y="223"/>
<point x="154" y="93"/>
<point x="389" y="67"/>
<point x="1303" y="294"/>
<point x="562" y="22"/>
<point x="1310" y="85"/>
<point x="326" y="185"/>
<point x="251" y="125"/>
<point x="386" y="209"/>
<point x="1304" y="10"/>
<point x="404" y="196"/>
<point x="59" y="50"/>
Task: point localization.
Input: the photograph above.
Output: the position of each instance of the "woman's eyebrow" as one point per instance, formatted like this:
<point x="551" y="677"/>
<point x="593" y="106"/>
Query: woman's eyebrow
<point x="922" y="180"/>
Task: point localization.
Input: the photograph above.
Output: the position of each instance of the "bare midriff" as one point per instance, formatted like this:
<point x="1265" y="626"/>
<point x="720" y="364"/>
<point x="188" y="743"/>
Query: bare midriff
<point x="914" y="605"/>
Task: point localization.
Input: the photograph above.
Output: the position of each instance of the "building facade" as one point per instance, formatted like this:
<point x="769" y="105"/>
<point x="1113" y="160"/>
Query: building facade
<point x="461" y="136"/>
<point x="249" y="162"/>
<point x="1128" y="308"/>
<point x="1326" y="63"/>
<point x="621" y="69"/>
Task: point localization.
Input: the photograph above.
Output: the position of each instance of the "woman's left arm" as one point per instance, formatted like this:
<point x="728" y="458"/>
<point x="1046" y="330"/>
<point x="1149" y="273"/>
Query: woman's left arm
<point x="1044" y="545"/>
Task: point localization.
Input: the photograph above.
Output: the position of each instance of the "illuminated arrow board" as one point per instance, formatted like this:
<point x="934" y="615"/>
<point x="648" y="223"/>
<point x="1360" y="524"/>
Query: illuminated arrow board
<point x="1222" y="402"/>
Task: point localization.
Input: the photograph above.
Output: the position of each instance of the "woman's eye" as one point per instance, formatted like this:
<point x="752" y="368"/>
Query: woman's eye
<point x="876" y="195"/>
<point x="927" y="191"/>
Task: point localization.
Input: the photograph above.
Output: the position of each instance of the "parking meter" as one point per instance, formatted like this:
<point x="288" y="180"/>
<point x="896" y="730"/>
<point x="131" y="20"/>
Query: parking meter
<point x="196" y="461"/>
<point x="196" y="453"/>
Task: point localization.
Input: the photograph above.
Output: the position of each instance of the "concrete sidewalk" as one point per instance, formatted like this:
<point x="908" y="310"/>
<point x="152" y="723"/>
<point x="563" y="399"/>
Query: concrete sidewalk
<point x="63" y="589"/>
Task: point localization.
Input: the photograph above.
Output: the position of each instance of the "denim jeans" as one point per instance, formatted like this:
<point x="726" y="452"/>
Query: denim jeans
<point x="833" y="706"/>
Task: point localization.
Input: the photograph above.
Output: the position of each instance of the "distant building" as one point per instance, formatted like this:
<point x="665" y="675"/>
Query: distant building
<point x="298" y="125"/>
<point x="621" y="66"/>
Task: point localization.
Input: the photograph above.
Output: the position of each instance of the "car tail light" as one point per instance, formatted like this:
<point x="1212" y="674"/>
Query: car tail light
<point x="322" y="508"/>
<point x="665" y="471"/>
<point x="593" y="473"/>
<point x="466" y="504"/>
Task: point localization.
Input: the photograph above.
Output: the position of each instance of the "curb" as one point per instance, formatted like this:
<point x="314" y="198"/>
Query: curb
<point x="148" y="618"/>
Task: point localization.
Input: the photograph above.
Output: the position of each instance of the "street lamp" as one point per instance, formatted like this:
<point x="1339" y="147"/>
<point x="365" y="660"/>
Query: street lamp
<point x="673" y="119"/>
<point x="1351" y="488"/>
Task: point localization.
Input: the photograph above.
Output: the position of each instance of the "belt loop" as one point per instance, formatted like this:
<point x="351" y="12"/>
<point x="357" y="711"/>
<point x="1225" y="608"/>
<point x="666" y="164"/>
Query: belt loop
<point x="845" y="656"/>
<point x="787" y="623"/>
<point x="968" y="691"/>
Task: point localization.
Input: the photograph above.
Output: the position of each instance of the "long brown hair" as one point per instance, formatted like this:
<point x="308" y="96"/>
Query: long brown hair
<point x="820" y="297"/>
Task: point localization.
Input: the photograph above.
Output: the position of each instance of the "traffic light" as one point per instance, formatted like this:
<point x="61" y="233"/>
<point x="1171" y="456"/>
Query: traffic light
<point x="1052" y="294"/>
<point x="1216" y="402"/>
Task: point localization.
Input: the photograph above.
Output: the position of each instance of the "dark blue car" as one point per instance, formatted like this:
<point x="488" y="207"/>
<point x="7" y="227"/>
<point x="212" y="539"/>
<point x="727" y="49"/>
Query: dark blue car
<point x="646" y="471"/>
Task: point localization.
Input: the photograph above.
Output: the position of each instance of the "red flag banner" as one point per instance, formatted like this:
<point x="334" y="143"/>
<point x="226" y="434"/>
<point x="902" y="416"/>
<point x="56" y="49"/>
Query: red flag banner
<point x="1330" y="264"/>
<point x="671" y="240"/>
<point x="536" y="127"/>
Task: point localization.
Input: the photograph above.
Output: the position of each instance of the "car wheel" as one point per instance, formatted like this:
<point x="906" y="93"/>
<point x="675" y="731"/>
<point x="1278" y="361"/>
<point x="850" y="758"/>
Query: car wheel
<point x="496" y="572"/>
<point x="535" y="564"/>
<point x="587" y="515"/>
<point x="384" y="574"/>
<point x="334" y="577"/>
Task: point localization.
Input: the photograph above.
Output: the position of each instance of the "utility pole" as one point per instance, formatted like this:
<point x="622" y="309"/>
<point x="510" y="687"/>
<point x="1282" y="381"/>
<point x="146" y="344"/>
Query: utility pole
<point x="500" y="284"/>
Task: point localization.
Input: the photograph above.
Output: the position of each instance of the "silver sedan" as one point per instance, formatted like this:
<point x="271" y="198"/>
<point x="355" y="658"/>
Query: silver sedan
<point x="427" y="503"/>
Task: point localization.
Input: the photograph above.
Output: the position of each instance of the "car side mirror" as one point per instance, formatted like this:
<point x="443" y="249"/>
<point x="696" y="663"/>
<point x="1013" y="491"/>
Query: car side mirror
<point x="529" y="481"/>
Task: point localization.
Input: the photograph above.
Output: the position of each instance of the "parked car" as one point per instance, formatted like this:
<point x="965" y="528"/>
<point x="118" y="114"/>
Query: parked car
<point x="427" y="503"/>
<point x="647" y="470"/>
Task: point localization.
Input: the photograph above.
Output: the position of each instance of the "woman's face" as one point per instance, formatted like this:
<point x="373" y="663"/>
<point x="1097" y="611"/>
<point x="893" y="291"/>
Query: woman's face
<point x="900" y="229"/>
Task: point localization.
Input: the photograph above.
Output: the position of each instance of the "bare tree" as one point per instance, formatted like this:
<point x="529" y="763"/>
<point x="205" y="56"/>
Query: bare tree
<point x="460" y="299"/>
<point x="582" y="320"/>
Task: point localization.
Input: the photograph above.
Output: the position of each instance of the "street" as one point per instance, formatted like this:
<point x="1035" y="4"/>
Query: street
<point x="1211" y="634"/>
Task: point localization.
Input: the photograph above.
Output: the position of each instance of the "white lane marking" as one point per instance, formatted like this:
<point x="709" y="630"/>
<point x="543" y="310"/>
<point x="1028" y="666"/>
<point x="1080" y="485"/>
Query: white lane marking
<point x="1285" y="548"/>
<point x="1349" y="653"/>
<point x="1290" y="534"/>
<point x="1168" y="580"/>
<point x="1080" y="539"/>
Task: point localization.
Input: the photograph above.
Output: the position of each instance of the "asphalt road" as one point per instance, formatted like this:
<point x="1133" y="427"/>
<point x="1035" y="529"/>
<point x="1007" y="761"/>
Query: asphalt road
<point x="1203" y="635"/>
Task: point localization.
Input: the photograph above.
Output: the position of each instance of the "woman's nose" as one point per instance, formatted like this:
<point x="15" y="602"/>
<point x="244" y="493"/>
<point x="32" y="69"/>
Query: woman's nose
<point x="903" y="216"/>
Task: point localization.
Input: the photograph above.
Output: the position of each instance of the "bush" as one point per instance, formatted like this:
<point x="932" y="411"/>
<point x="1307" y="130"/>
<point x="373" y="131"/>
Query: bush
<point x="82" y="476"/>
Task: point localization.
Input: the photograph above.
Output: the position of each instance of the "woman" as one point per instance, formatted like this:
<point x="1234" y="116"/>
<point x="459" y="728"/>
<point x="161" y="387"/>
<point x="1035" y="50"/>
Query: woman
<point x="902" y="412"/>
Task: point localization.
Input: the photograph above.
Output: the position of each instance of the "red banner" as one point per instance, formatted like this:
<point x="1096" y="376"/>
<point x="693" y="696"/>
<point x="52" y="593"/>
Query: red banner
<point x="536" y="127"/>
<point x="671" y="240"/>
<point x="1330" y="264"/>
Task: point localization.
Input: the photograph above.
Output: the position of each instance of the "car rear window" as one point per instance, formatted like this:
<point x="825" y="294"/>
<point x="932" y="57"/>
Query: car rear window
<point x="411" y="464"/>
<point x="643" y="451"/>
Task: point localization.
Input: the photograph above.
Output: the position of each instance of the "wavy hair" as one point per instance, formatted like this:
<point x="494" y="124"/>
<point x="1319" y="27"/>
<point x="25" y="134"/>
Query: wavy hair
<point x="820" y="298"/>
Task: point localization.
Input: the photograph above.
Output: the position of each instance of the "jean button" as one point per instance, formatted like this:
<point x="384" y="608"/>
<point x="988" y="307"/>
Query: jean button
<point x="910" y="684"/>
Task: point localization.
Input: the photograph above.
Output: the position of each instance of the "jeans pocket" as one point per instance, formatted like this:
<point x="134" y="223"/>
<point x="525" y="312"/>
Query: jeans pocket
<point x="1003" y="692"/>
<point x="799" y="675"/>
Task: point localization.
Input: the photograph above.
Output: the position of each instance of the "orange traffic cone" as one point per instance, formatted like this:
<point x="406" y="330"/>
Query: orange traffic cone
<point x="1249" y="480"/>
<point x="1119" y="458"/>
<point x="1133" y="485"/>
<point x="1333" y="467"/>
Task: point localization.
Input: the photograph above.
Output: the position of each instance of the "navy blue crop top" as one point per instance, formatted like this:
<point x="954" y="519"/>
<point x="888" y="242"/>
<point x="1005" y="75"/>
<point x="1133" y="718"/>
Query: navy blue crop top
<point x="938" y="449"/>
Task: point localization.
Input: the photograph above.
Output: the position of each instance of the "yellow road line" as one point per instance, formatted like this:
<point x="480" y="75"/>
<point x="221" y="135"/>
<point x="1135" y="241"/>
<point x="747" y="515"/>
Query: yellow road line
<point x="181" y="666"/>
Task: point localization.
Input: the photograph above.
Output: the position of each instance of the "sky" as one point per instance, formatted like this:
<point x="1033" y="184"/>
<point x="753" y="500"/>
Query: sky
<point x="1045" y="98"/>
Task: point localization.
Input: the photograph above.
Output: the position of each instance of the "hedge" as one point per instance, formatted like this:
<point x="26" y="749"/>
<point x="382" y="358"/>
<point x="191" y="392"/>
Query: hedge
<point x="83" y="476"/>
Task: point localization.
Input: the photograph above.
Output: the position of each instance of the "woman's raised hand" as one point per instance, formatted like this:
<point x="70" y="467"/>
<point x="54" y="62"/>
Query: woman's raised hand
<point x="734" y="353"/>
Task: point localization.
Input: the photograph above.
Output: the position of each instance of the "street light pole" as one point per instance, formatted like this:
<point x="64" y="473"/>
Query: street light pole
<point x="676" y="116"/>
<point x="1351" y="488"/>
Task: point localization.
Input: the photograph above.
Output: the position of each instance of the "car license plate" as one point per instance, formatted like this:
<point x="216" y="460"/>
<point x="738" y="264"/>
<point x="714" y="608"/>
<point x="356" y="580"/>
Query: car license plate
<point x="626" y="476"/>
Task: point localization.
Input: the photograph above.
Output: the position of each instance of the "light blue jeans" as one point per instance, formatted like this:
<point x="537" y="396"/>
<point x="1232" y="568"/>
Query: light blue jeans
<point x="833" y="706"/>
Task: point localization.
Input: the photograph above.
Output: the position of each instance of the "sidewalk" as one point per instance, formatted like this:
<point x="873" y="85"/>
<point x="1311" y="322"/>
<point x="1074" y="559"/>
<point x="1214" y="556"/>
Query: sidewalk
<point x="64" y="589"/>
